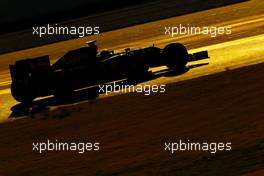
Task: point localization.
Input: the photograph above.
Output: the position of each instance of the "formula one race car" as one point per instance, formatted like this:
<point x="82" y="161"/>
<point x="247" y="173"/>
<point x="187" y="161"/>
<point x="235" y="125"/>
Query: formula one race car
<point x="86" y="67"/>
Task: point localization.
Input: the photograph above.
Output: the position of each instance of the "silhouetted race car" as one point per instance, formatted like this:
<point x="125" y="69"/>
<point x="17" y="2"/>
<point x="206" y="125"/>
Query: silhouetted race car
<point x="87" y="68"/>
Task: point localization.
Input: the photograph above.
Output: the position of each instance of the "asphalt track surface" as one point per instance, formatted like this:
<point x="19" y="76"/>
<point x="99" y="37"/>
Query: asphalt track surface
<point x="243" y="47"/>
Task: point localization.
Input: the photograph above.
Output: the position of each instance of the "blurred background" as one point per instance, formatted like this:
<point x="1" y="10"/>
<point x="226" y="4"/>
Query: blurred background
<point x="19" y="15"/>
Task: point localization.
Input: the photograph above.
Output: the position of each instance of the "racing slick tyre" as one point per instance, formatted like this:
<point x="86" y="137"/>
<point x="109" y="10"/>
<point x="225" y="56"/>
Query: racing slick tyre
<point x="175" y="56"/>
<point x="22" y="92"/>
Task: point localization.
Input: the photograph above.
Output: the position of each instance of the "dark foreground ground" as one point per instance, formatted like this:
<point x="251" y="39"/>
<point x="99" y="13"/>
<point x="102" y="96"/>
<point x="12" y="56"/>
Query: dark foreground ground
<point x="132" y="129"/>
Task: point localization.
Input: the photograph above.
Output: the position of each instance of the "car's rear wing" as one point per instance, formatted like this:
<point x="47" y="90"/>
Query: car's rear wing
<point x="24" y="68"/>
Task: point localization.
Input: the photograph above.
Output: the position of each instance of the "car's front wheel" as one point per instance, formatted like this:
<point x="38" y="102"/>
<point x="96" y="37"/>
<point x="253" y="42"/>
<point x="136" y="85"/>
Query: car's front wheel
<point x="175" y="56"/>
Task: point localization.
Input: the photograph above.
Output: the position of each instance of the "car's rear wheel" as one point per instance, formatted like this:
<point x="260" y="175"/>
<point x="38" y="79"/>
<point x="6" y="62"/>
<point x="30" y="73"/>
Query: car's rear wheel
<point x="22" y="92"/>
<point x="175" y="56"/>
